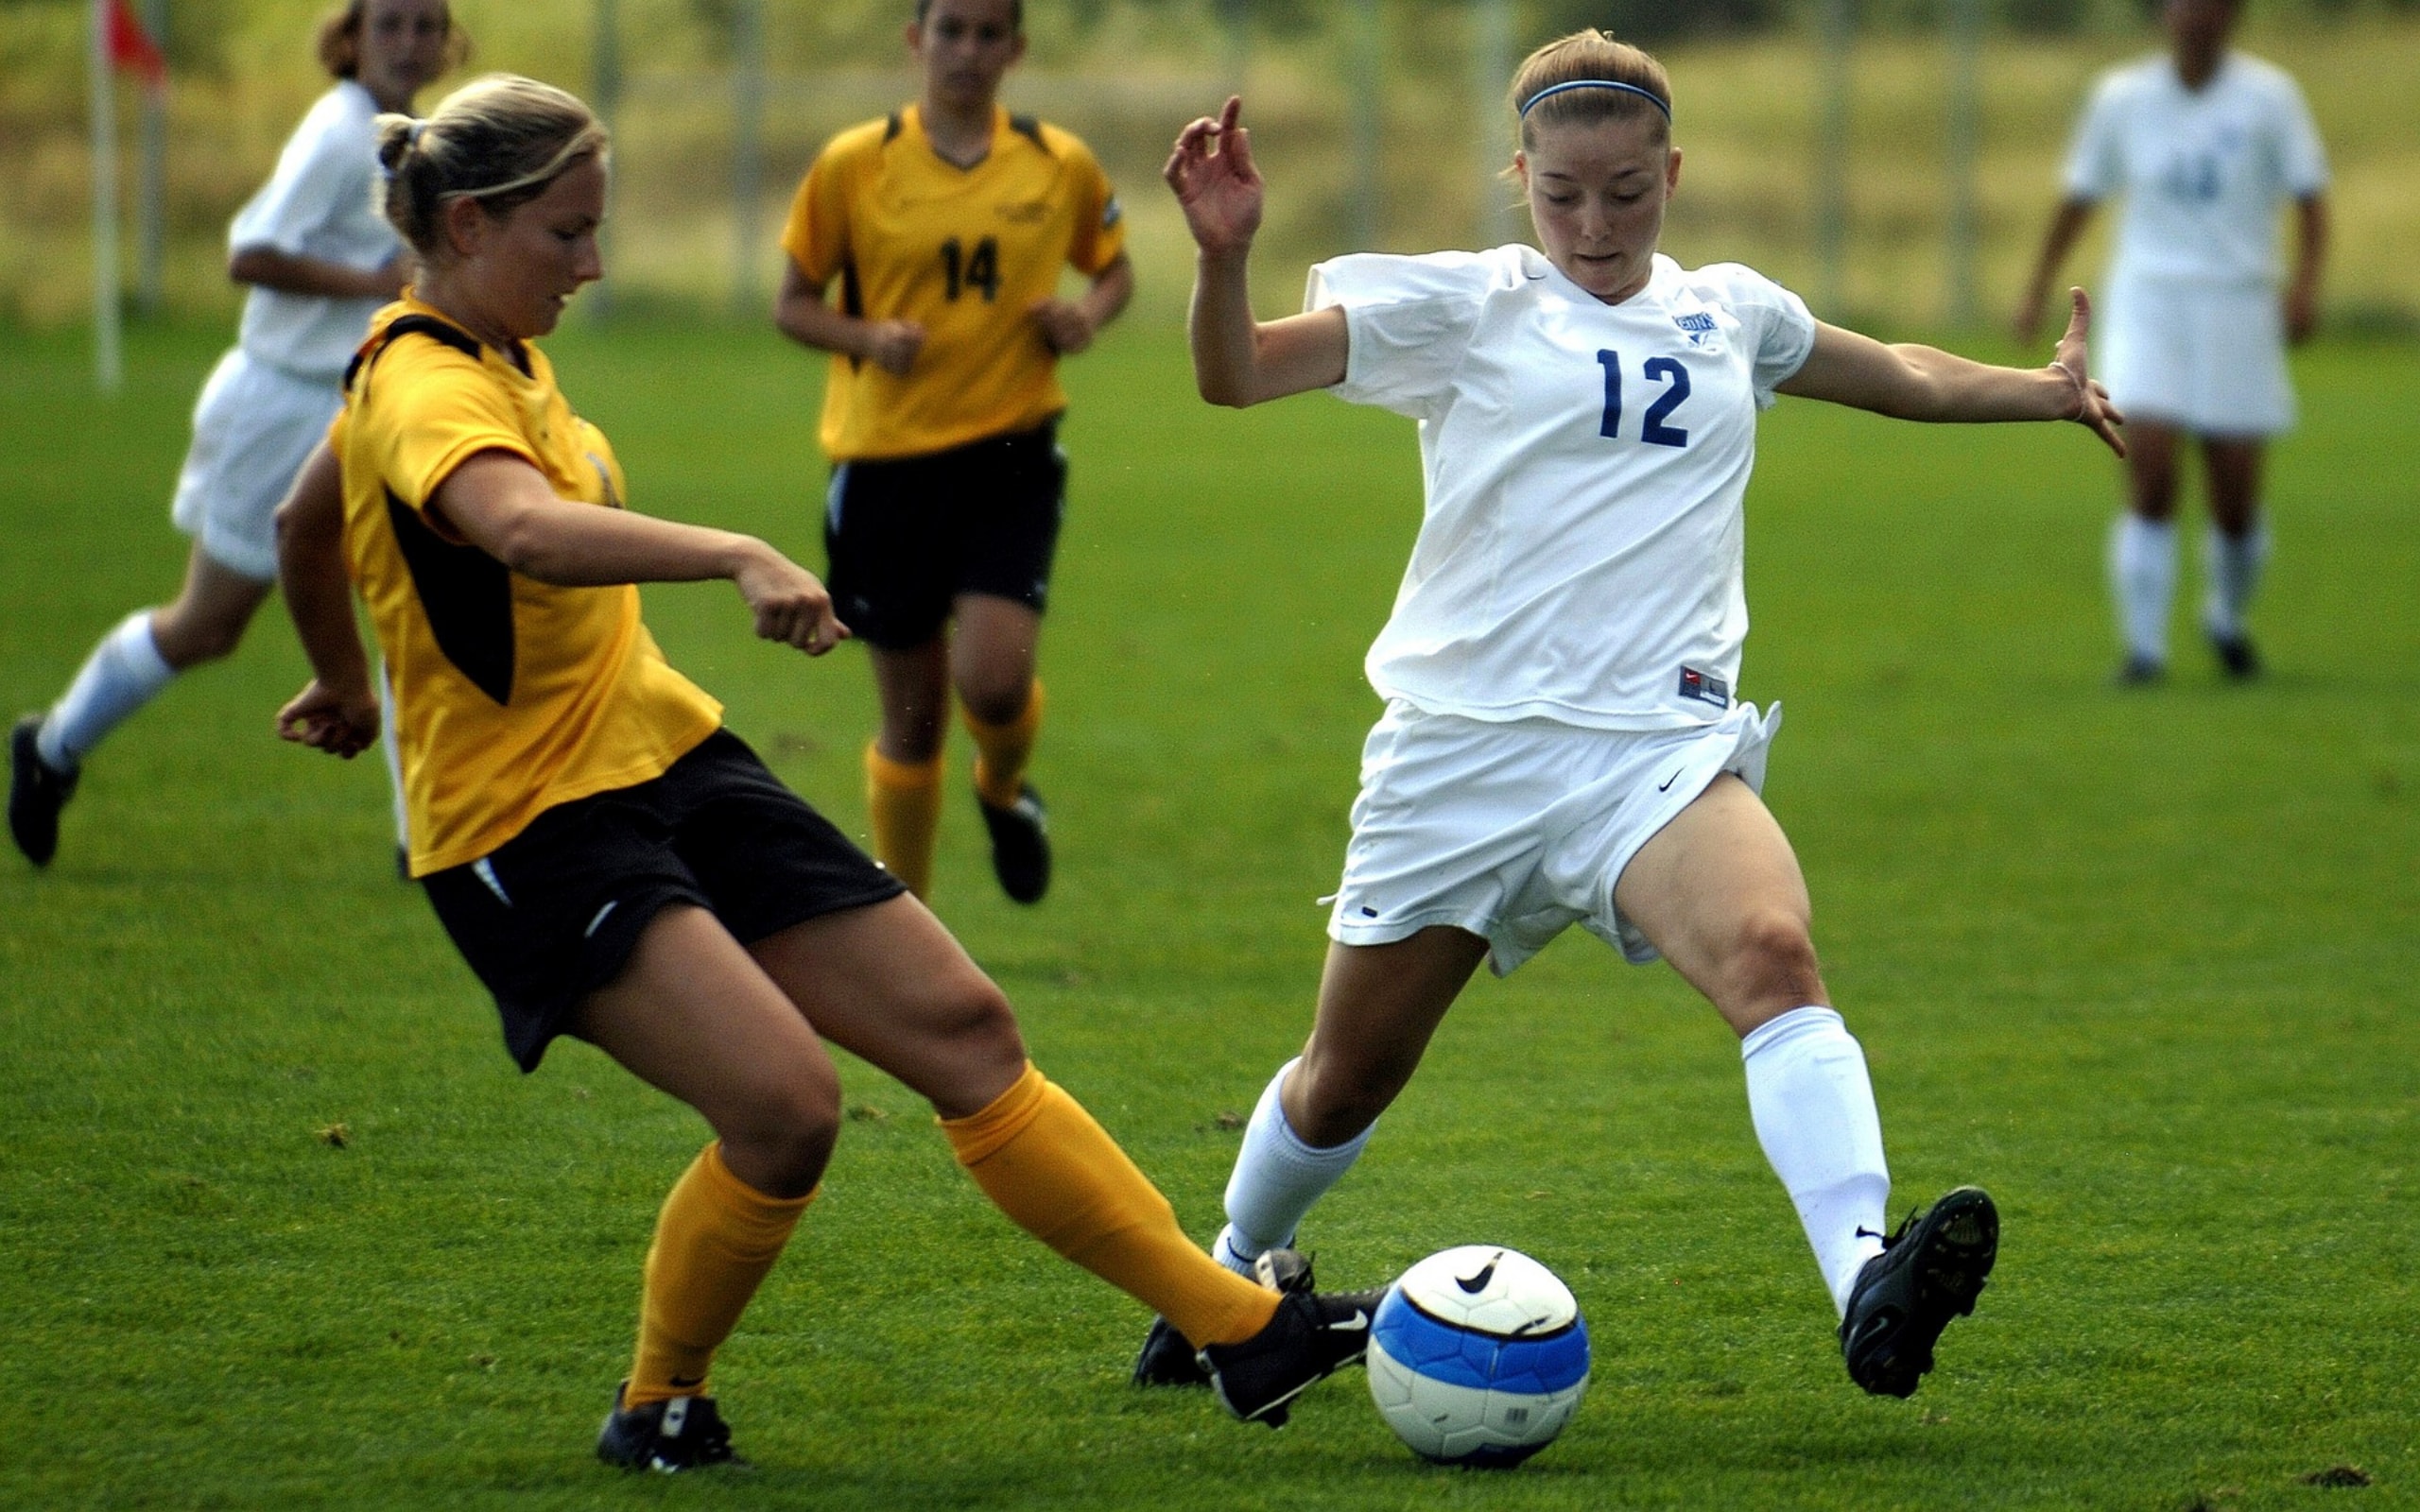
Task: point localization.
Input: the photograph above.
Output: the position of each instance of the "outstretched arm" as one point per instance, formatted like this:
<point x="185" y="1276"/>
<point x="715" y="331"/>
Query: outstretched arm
<point x="1239" y="361"/>
<point x="337" y="712"/>
<point x="1911" y="382"/>
<point x="2066" y="224"/>
<point x="502" y="504"/>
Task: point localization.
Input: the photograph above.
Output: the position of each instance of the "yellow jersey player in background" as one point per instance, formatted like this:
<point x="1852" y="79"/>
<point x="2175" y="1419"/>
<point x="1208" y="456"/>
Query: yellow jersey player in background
<point x="926" y="252"/>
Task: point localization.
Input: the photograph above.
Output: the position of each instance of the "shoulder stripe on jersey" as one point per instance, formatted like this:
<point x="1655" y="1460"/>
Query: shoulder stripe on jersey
<point x="466" y="596"/>
<point x="413" y="325"/>
<point x="1027" y="126"/>
<point x="890" y="128"/>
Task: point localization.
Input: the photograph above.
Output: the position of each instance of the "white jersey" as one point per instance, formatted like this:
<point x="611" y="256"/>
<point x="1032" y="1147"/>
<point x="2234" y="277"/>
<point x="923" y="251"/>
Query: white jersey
<point x="317" y="204"/>
<point x="2202" y="170"/>
<point x="1578" y="557"/>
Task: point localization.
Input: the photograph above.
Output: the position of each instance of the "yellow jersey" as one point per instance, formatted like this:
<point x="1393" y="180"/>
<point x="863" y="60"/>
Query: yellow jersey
<point x="511" y="696"/>
<point x="965" y="252"/>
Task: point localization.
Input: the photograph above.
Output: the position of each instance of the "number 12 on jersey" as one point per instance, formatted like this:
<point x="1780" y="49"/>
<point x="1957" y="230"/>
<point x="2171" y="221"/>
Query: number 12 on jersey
<point x="1652" y="429"/>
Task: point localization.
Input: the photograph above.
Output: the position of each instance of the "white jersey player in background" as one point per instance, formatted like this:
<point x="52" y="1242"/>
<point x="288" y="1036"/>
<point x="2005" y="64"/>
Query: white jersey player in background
<point x="2204" y="143"/>
<point x="1561" y="743"/>
<point x="320" y="260"/>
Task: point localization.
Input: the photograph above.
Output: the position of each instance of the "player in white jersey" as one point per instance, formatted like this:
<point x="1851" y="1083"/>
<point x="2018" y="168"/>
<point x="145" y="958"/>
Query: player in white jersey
<point x="320" y="260"/>
<point x="2204" y="143"/>
<point x="1561" y="741"/>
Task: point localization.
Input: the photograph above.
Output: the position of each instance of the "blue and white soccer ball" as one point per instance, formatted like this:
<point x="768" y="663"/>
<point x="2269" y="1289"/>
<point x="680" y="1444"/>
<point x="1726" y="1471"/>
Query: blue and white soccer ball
<point x="1477" y="1356"/>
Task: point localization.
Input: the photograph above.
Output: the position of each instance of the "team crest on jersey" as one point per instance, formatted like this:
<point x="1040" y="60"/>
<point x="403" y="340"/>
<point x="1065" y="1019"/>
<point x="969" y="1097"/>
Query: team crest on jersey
<point x="1699" y="324"/>
<point x="1705" y="688"/>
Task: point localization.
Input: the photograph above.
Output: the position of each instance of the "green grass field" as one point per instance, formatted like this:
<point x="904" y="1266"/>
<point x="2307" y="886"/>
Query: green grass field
<point x="2143" y="963"/>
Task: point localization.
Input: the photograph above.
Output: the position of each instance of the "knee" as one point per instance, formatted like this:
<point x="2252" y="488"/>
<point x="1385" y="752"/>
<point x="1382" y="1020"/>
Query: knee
<point x="995" y="699"/>
<point x="189" y="641"/>
<point x="982" y="1028"/>
<point x="1331" y="1100"/>
<point x="780" y="1137"/>
<point x="1772" y="958"/>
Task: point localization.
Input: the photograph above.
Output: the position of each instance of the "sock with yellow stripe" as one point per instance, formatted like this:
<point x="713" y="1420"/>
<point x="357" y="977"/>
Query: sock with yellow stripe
<point x="715" y="1241"/>
<point x="1059" y="1176"/>
<point x="1003" y="750"/>
<point x="904" y="805"/>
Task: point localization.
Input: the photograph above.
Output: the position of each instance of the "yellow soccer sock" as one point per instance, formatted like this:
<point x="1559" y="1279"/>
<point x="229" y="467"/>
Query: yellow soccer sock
<point x="715" y="1241"/>
<point x="1043" y="1160"/>
<point x="904" y="805"/>
<point x="1002" y="751"/>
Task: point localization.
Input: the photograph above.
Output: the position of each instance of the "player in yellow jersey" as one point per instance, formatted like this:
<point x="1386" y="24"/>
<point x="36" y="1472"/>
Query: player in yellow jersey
<point x="925" y="252"/>
<point x="612" y="863"/>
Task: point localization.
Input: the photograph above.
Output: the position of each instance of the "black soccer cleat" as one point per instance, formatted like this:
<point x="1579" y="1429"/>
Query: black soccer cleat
<point x="1020" y="845"/>
<point x="2140" y="671"/>
<point x="1168" y="1359"/>
<point x="1313" y="1337"/>
<point x="2237" y="658"/>
<point x="1929" y="1272"/>
<point x="36" y="791"/>
<point x="684" y="1434"/>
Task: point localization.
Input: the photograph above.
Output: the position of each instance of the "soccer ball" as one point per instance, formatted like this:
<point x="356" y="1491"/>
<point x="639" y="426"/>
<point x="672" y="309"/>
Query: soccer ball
<point x="1477" y="1357"/>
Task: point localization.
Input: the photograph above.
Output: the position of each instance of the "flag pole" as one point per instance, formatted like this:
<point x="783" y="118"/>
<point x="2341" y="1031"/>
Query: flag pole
<point x="108" y="361"/>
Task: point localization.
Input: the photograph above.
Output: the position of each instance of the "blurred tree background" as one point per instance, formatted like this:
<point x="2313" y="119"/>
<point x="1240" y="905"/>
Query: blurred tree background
<point x="689" y="232"/>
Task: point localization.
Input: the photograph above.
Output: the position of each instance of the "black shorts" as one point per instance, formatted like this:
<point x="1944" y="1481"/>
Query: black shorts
<point x="552" y="914"/>
<point x="905" y="537"/>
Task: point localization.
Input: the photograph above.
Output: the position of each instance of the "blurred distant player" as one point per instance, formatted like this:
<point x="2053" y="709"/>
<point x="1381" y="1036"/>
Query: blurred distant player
<point x="320" y="260"/>
<point x="945" y="226"/>
<point x="2204" y="143"/>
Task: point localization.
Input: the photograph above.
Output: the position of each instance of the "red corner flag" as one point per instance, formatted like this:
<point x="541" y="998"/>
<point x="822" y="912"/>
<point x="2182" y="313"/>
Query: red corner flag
<point x="131" y="49"/>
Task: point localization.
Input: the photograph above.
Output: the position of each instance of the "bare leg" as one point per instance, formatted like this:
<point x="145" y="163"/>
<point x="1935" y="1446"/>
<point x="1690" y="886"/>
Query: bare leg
<point x="210" y="614"/>
<point x="1719" y="892"/>
<point x="991" y="658"/>
<point x="2235" y="467"/>
<point x="2142" y="550"/>
<point x="694" y="1015"/>
<point x="914" y="688"/>
<point x="1378" y="1006"/>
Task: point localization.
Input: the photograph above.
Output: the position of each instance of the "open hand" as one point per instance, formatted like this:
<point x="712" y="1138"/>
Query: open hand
<point x="1217" y="185"/>
<point x="341" y="722"/>
<point x="2093" y="408"/>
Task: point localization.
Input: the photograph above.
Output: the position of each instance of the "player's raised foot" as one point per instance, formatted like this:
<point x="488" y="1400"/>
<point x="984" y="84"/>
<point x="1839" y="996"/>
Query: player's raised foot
<point x="36" y="791"/>
<point x="1929" y="1272"/>
<point x="1313" y="1336"/>
<point x="1168" y="1359"/>
<point x="2140" y="671"/>
<point x="1020" y="845"/>
<point x="684" y="1434"/>
<point x="2237" y="658"/>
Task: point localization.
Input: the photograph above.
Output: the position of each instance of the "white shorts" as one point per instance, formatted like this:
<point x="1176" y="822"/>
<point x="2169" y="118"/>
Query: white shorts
<point x="2205" y="358"/>
<point x="253" y="428"/>
<point x="1515" y="832"/>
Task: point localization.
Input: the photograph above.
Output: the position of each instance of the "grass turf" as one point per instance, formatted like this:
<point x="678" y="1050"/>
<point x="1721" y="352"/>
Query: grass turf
<point x="2142" y="962"/>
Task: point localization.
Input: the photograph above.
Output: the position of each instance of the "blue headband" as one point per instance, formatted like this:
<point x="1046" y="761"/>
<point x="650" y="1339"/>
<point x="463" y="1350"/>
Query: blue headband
<point x="1647" y="95"/>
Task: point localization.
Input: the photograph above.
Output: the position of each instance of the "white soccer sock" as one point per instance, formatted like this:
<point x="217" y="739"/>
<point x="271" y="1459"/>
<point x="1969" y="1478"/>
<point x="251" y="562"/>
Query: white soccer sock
<point x="1813" y="1108"/>
<point x="2142" y="576"/>
<point x="121" y="676"/>
<point x="2233" y="564"/>
<point x="1276" y="1180"/>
